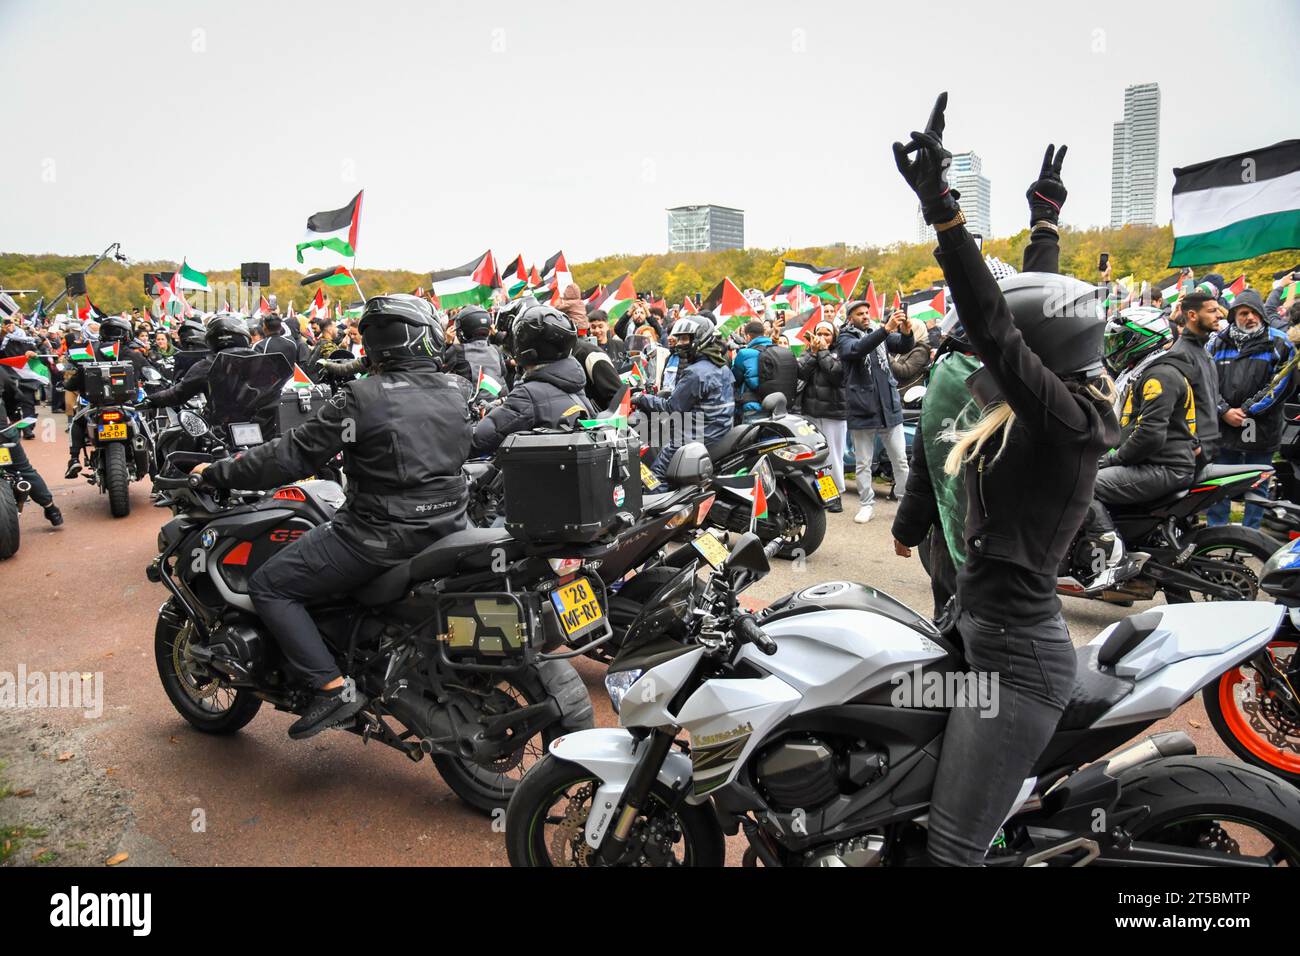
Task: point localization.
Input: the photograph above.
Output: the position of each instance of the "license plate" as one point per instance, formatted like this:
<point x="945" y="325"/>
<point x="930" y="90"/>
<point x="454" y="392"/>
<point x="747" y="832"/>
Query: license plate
<point x="826" y="488"/>
<point x="578" y="607"/>
<point x="5" y="457"/>
<point x="112" y="432"/>
<point x="649" y="480"/>
<point x="711" y="549"/>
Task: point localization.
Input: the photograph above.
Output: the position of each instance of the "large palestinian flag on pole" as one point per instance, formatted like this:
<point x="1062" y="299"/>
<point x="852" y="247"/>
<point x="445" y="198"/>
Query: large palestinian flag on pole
<point x="926" y="306"/>
<point x="805" y="276"/>
<point x="729" y="306"/>
<point x="556" y="274"/>
<point x="1238" y="206"/>
<point x="618" y="298"/>
<point x="470" y="284"/>
<point x="514" y="278"/>
<point x="339" y="275"/>
<point x="334" y="229"/>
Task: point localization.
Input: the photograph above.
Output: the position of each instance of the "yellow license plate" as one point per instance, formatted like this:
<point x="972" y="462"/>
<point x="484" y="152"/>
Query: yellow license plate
<point x="649" y="480"/>
<point x="578" y="607"/>
<point x="826" y="488"/>
<point x="112" y="432"/>
<point x="5" y="457"/>
<point x="711" y="549"/>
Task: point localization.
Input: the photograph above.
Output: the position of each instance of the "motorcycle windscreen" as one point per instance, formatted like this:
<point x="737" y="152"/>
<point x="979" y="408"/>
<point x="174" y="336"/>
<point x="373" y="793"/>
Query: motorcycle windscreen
<point x="246" y="388"/>
<point x="182" y="361"/>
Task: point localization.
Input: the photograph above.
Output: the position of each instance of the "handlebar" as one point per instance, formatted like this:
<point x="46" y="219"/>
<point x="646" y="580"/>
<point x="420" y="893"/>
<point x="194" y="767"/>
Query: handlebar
<point x="193" y="482"/>
<point x="747" y="629"/>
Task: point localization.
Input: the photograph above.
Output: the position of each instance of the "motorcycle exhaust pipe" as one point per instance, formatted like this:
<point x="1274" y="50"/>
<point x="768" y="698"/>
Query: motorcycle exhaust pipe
<point x="1173" y="743"/>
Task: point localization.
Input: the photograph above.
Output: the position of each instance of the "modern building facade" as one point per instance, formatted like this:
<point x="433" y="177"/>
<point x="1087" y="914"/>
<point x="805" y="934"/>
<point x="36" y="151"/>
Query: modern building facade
<point x="966" y="175"/>
<point x="705" y="228"/>
<point x="1135" y="153"/>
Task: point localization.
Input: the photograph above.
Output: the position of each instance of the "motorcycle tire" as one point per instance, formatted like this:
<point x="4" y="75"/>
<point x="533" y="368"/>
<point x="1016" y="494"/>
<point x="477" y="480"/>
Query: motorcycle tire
<point x="117" y="479"/>
<point x="526" y="840"/>
<point x="1248" y="541"/>
<point x="488" y="788"/>
<point x="9" y="529"/>
<point x="1253" y="727"/>
<point x="1189" y="797"/>
<point x="802" y="511"/>
<point x="201" y="705"/>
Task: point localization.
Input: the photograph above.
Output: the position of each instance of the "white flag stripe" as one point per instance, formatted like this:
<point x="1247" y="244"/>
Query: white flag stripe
<point x="1205" y="210"/>
<point x="453" y="285"/>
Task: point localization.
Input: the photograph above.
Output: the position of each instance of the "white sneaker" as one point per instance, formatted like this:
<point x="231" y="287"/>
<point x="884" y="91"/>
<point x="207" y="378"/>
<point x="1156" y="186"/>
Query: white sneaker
<point x="863" y="515"/>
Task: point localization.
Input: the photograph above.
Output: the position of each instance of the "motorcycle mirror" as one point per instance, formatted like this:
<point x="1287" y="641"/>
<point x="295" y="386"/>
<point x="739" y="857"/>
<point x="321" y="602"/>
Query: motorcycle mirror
<point x="775" y="404"/>
<point x="748" y="555"/>
<point x="194" y="425"/>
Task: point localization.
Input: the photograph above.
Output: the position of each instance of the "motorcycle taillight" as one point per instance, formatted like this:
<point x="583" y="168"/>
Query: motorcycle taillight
<point x="702" y="510"/>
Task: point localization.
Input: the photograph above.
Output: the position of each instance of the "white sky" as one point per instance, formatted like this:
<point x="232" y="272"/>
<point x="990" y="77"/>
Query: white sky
<point x="532" y="126"/>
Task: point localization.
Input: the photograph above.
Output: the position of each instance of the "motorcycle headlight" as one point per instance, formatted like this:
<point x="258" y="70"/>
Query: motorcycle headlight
<point x="618" y="684"/>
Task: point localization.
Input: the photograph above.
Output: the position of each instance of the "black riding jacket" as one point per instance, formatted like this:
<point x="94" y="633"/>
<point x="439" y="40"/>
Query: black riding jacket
<point x="545" y="395"/>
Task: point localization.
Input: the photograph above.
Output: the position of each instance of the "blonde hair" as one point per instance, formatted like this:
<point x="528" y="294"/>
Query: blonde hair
<point x="968" y="443"/>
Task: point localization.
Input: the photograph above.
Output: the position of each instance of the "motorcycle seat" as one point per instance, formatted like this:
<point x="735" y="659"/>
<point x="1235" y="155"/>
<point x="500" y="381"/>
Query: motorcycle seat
<point x="728" y="442"/>
<point x="470" y="549"/>
<point x="1095" y="691"/>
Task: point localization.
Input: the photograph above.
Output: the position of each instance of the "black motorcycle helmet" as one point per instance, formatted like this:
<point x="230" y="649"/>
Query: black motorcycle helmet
<point x="226" y="331"/>
<point x="472" y="323"/>
<point x="114" y="328"/>
<point x="692" y="333"/>
<point x="541" y="334"/>
<point x="401" y="326"/>
<point x="193" y="334"/>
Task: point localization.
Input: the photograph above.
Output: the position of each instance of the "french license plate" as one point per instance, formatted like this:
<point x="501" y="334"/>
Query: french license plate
<point x="649" y="480"/>
<point x="711" y="549"/>
<point x="826" y="487"/>
<point x="112" y="432"/>
<point x="5" y="457"/>
<point x="578" y="607"/>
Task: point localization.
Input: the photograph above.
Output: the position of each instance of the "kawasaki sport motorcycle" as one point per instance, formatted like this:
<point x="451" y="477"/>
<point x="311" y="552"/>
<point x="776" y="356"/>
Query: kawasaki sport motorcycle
<point x="811" y="730"/>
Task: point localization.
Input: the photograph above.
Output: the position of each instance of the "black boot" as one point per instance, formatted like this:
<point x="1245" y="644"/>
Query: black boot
<point x="53" y="515"/>
<point x="74" y="468"/>
<point x="328" y="708"/>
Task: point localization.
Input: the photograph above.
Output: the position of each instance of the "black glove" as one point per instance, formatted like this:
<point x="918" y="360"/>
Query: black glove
<point x="1047" y="193"/>
<point x="145" y="403"/>
<point x="928" y="173"/>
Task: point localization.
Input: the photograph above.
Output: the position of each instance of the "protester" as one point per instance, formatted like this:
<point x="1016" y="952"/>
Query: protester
<point x="822" y="399"/>
<point x="613" y="346"/>
<point x="603" y="381"/>
<point x="760" y="369"/>
<point x="910" y="368"/>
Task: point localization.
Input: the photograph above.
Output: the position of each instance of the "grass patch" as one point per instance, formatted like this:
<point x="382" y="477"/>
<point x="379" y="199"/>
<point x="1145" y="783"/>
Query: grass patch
<point x="12" y="838"/>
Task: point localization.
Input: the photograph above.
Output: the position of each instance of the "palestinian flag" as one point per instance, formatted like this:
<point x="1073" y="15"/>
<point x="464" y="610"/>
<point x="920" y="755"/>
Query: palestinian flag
<point x="1173" y="287"/>
<point x="729" y="306"/>
<point x="617" y="419"/>
<point x="335" y="229"/>
<point x="556" y="274"/>
<point x="1234" y="289"/>
<point x="486" y="383"/>
<point x="875" y="306"/>
<point x="82" y="353"/>
<point x="111" y="350"/>
<point x="779" y="298"/>
<point x="806" y="277"/>
<point x="263" y="308"/>
<point x="618" y="298"/>
<point x="926" y="306"/>
<point x="170" y="297"/>
<point x="514" y="278"/>
<point x="191" y="278"/>
<point x="355" y="310"/>
<point x="808" y="322"/>
<point x="760" y="499"/>
<point x="470" y="284"/>
<point x="688" y="307"/>
<point x="22" y="424"/>
<point x="898" y="300"/>
<point x="319" y="308"/>
<point x="339" y="275"/>
<point x="298" y="379"/>
<point x="90" y="312"/>
<point x="838" y="284"/>
<point x="1237" y="207"/>
<point x="32" y="369"/>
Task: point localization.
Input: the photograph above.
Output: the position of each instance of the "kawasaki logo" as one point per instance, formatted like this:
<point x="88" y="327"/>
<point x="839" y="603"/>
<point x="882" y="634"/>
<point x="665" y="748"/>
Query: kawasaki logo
<point x="705" y="740"/>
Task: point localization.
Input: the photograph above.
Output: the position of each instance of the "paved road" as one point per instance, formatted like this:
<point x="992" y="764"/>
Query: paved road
<point x="77" y="599"/>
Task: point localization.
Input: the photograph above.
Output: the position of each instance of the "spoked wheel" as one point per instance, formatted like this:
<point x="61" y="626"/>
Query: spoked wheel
<point x="196" y="694"/>
<point x="1250" y="708"/>
<point x="1217" y="805"/>
<point x="488" y="787"/>
<point x="546" y="824"/>
<point x="1227" y="556"/>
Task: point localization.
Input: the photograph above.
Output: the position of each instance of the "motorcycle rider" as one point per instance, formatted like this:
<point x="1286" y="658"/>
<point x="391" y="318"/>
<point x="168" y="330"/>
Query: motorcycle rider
<point x="551" y="387"/>
<point x="1030" y="462"/>
<point x="404" y="433"/>
<point x="113" y="330"/>
<point x="703" y="395"/>
<point x="474" y="354"/>
<point x="225" y="332"/>
<point x="20" y="464"/>
<point x="275" y="341"/>
<point x="1200" y="315"/>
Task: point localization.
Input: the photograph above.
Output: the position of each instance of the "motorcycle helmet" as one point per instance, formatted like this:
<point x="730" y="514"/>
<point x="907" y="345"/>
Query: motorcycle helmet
<point x="399" y="326"/>
<point x="114" y="328"/>
<point x="193" y="334"/>
<point x="226" y="330"/>
<point x="691" y="334"/>
<point x="541" y="334"/>
<point x="473" y="323"/>
<point x="1133" y="335"/>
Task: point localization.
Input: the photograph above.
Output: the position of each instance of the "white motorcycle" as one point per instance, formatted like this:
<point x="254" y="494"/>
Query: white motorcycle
<point x="816" y="729"/>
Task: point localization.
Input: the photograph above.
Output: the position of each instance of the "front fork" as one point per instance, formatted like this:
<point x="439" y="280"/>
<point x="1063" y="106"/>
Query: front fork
<point x="654" y="750"/>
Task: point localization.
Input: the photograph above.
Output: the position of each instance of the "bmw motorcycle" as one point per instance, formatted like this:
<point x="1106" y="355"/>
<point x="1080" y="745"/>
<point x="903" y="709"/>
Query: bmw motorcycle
<point x="118" y="450"/>
<point x="811" y="729"/>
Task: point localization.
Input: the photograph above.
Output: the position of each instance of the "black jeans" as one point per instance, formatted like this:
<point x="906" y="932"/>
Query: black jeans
<point x="318" y="565"/>
<point x="23" y="467"/>
<point x="985" y="759"/>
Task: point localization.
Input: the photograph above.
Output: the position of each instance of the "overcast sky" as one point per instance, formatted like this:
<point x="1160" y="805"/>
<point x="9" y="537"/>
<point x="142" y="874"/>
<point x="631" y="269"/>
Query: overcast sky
<point x="213" y="129"/>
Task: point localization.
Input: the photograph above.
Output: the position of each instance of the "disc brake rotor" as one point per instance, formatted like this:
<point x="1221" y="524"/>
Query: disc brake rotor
<point x="1233" y="575"/>
<point x="187" y="669"/>
<point x="569" y="843"/>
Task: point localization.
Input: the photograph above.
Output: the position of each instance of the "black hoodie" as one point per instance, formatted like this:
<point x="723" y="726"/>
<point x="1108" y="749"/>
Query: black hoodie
<point x="546" y="394"/>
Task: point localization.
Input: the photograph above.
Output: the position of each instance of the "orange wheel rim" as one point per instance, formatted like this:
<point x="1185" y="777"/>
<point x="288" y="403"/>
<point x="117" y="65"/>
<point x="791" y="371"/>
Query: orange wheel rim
<point x="1240" y="726"/>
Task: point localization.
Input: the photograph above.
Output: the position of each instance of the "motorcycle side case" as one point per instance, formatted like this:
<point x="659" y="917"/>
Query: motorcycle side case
<point x="298" y="406"/>
<point x="109" y="383"/>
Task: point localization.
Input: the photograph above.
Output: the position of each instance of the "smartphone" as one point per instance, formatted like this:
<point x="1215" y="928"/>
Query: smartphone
<point x="1103" y="262"/>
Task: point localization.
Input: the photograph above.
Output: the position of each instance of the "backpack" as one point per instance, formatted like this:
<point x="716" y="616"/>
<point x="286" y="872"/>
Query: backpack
<point x="778" y="371"/>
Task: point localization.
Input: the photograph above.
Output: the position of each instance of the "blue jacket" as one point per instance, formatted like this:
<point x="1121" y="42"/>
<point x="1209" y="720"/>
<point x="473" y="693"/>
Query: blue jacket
<point x="744" y="369"/>
<point x="702" y="408"/>
<point x="869" y="386"/>
<point x="1256" y="379"/>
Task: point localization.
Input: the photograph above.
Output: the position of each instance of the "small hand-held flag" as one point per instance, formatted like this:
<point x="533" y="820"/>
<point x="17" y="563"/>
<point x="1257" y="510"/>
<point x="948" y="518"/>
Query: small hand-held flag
<point x="760" y="502"/>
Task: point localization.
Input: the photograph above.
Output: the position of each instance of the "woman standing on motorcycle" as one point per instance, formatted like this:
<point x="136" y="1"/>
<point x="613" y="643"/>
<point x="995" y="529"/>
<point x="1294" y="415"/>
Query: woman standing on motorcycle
<point x="1030" y="462"/>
